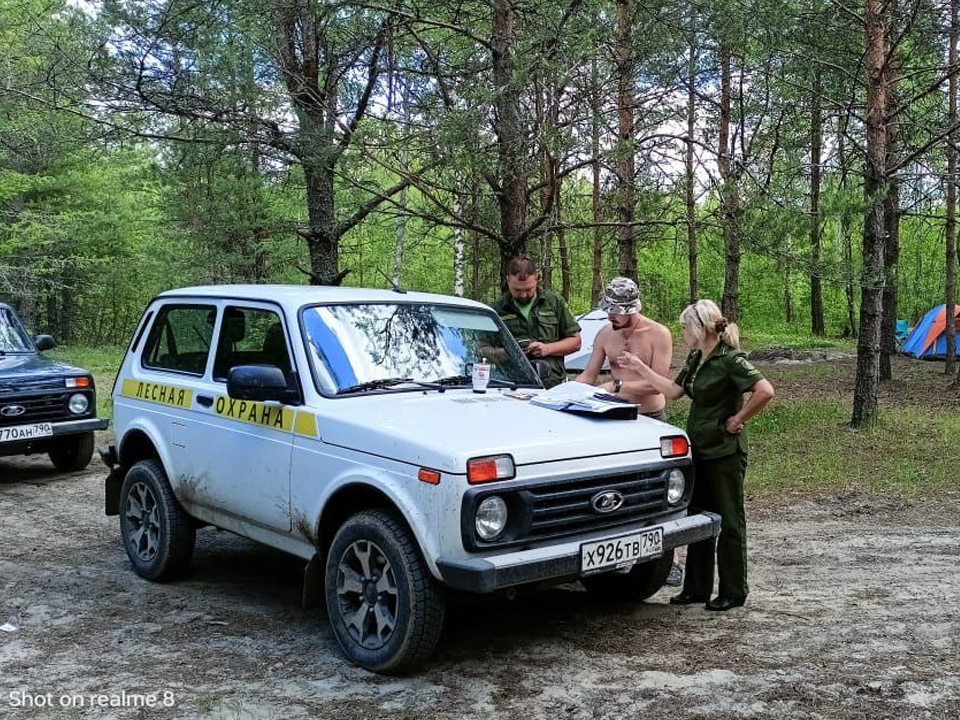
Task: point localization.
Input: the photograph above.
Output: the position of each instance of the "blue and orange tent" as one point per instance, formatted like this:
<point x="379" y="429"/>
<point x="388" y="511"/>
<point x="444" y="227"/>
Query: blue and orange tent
<point x="929" y="338"/>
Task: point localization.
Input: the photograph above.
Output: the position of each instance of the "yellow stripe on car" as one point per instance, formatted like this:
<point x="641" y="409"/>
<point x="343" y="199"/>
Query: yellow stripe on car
<point x="255" y="413"/>
<point x="306" y="424"/>
<point x="157" y="393"/>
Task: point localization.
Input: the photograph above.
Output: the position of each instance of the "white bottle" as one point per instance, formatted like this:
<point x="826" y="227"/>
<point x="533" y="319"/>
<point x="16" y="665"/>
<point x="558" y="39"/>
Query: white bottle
<point x="481" y="376"/>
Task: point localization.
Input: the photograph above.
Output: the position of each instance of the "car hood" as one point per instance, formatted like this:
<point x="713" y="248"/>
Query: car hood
<point x="17" y="369"/>
<point x="444" y="430"/>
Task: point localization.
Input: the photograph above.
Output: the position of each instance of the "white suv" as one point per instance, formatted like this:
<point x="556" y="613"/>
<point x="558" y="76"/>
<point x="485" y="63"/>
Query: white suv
<point x="340" y="425"/>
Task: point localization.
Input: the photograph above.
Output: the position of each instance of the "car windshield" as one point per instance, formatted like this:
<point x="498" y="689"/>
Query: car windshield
<point x="353" y="346"/>
<point x="13" y="338"/>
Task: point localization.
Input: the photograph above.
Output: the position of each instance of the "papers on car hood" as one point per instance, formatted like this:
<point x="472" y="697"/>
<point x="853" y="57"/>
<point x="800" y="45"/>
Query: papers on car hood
<point x="578" y="397"/>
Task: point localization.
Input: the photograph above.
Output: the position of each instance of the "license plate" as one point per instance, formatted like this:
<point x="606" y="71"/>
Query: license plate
<point x="25" y="432"/>
<point x="621" y="552"/>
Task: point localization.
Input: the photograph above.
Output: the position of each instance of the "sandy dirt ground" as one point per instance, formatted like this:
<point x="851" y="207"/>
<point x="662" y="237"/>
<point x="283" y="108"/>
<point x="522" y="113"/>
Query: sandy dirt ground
<point x="853" y="614"/>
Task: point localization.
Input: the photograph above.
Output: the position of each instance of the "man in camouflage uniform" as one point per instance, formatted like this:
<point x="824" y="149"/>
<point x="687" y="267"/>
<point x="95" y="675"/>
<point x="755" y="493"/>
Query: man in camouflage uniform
<point x="538" y="319"/>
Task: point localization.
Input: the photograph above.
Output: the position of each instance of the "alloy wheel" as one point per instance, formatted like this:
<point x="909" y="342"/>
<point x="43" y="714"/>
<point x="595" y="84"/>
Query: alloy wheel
<point x="367" y="593"/>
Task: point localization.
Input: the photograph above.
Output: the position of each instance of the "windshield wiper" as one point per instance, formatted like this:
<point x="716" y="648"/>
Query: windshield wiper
<point x="466" y="379"/>
<point x="374" y="385"/>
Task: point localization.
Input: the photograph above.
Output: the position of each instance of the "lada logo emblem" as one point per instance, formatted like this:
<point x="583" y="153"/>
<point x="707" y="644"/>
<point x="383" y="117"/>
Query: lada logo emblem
<point x="12" y="410"/>
<point x="607" y="501"/>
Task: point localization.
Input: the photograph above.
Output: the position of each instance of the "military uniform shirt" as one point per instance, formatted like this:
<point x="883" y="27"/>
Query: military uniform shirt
<point x="716" y="388"/>
<point x="550" y="320"/>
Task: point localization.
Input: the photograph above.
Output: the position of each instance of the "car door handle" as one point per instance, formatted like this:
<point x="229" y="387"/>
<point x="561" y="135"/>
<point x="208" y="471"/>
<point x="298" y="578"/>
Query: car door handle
<point x="205" y="400"/>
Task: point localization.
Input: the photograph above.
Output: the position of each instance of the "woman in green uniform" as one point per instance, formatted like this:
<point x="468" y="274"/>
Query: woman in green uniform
<point x="715" y="376"/>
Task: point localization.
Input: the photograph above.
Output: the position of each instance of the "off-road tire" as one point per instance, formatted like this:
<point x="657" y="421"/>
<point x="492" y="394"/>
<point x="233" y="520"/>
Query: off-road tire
<point x="71" y="453"/>
<point x="643" y="581"/>
<point x="419" y="599"/>
<point x="146" y="498"/>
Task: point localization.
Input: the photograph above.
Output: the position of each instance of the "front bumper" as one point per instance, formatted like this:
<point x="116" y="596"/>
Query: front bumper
<point x="74" y="427"/>
<point x="560" y="561"/>
<point x="44" y="444"/>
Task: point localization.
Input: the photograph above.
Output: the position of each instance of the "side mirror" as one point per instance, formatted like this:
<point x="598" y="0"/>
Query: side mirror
<point x="43" y="342"/>
<point x="261" y="383"/>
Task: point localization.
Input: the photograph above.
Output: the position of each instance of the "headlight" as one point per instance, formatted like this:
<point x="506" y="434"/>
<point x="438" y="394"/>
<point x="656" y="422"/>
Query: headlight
<point x="78" y="403"/>
<point x="676" y="484"/>
<point x="491" y="517"/>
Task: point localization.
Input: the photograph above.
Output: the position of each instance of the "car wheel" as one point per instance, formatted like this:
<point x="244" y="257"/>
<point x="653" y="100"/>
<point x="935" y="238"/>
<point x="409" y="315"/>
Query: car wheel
<point x="157" y="532"/>
<point x="641" y="582"/>
<point x="72" y="452"/>
<point x="385" y="608"/>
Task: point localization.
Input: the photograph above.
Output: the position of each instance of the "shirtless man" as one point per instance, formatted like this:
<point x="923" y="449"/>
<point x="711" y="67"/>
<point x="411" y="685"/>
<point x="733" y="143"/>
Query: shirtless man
<point x="633" y="332"/>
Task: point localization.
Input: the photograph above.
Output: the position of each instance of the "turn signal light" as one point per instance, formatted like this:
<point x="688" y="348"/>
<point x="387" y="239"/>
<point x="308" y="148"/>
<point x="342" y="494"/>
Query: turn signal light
<point x="488" y="469"/>
<point x="429" y="476"/>
<point x="674" y="446"/>
<point x="78" y="382"/>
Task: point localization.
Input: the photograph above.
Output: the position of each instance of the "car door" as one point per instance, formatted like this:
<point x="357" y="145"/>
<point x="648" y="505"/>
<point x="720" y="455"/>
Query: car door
<point x="161" y="384"/>
<point x="242" y="460"/>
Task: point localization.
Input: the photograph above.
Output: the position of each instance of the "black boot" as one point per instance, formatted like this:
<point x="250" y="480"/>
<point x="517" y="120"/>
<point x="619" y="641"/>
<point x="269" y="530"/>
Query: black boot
<point x="722" y="604"/>
<point x="685" y="598"/>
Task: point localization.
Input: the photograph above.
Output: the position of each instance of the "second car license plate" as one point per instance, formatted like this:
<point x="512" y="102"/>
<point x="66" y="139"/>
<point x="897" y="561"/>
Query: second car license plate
<point x="621" y="551"/>
<point x="25" y="432"/>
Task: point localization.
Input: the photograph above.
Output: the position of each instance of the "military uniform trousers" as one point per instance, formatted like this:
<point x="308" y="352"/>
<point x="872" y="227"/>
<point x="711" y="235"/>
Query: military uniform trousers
<point x="718" y="488"/>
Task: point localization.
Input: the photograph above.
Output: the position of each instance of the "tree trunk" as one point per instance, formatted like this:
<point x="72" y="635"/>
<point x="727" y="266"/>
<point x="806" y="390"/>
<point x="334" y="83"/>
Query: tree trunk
<point x="596" y="277"/>
<point x="566" y="280"/>
<point x="401" y="240"/>
<point x="626" y="193"/>
<point x="512" y="193"/>
<point x="846" y="234"/>
<point x="787" y="298"/>
<point x="951" y="223"/>
<point x="52" y="312"/>
<point x="323" y="237"/>
<point x="730" y="200"/>
<point x="891" y="258"/>
<point x="690" y="176"/>
<point x="816" y="230"/>
<point x="402" y="214"/>
<point x="459" y="253"/>
<point x="475" y="246"/>
<point x="866" y="389"/>
<point x="891" y="247"/>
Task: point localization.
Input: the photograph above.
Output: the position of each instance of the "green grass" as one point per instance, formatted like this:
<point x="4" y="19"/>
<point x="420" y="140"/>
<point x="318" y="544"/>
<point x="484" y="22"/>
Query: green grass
<point x="807" y="447"/>
<point x="752" y="340"/>
<point x="103" y="363"/>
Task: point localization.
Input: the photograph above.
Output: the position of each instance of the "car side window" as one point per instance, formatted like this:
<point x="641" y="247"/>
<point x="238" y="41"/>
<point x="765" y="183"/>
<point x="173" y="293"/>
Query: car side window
<point x="180" y="339"/>
<point x="250" y="336"/>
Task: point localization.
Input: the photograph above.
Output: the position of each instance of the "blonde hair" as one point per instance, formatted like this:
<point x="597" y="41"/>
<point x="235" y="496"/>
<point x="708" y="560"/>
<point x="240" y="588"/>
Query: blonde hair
<point x="704" y="318"/>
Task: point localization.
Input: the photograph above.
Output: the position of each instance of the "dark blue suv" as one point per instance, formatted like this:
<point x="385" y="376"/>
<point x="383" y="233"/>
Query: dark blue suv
<point x="45" y="406"/>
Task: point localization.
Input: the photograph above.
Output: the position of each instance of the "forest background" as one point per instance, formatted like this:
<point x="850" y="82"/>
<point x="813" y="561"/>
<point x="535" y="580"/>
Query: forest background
<point x="795" y="161"/>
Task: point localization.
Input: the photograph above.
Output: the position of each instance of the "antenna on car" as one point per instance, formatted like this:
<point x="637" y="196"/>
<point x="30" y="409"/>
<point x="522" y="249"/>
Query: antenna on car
<point x="393" y="286"/>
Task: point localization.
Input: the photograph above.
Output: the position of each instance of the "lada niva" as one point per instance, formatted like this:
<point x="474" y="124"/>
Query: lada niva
<point x="341" y="425"/>
<point x="45" y="406"/>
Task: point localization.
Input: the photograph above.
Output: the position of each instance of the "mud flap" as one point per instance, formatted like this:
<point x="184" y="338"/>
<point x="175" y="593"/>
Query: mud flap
<point x="312" y="596"/>
<point x="111" y="494"/>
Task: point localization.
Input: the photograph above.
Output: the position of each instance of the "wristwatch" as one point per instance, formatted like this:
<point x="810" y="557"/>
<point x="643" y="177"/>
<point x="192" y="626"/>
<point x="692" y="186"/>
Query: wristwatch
<point x="617" y="384"/>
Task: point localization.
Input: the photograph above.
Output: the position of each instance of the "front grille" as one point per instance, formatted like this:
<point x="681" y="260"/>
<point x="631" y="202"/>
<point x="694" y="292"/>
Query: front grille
<point x="9" y="388"/>
<point x="565" y="508"/>
<point x="545" y="511"/>
<point x="37" y="408"/>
